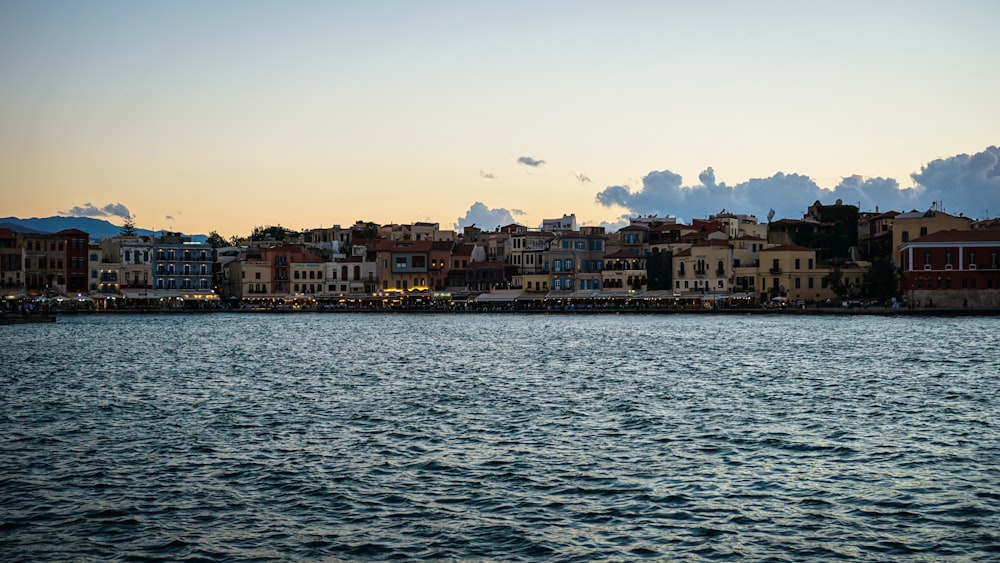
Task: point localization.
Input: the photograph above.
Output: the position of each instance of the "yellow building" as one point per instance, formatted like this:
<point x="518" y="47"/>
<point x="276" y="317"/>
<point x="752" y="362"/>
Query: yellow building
<point x="915" y="224"/>
<point x="790" y="271"/>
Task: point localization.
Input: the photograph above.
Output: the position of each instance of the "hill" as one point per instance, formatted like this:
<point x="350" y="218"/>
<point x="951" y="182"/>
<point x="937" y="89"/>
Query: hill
<point x="96" y="228"/>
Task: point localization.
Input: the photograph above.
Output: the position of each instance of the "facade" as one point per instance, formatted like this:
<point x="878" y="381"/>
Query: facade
<point x="575" y="260"/>
<point x="181" y="267"/>
<point x="875" y="234"/>
<point x="11" y="258"/>
<point x="952" y="269"/>
<point x="135" y="254"/>
<point x="791" y="271"/>
<point x="565" y="223"/>
<point x="916" y="224"/>
<point x="624" y="271"/>
<point x="704" y="268"/>
<point x="527" y="250"/>
<point x="404" y="264"/>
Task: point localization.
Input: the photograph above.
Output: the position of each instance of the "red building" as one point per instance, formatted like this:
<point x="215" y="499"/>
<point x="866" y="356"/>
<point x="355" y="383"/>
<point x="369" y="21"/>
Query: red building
<point x="953" y="268"/>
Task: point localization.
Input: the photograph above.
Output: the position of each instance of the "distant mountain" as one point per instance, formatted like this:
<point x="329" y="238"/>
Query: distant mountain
<point x="96" y="228"/>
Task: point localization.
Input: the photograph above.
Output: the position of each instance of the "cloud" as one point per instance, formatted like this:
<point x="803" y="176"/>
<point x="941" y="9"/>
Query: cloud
<point x="528" y="161"/>
<point x="487" y="175"/>
<point x="518" y="212"/>
<point x="169" y="217"/>
<point x="962" y="184"/>
<point x="484" y="217"/>
<point x="582" y="178"/>
<point x="90" y="210"/>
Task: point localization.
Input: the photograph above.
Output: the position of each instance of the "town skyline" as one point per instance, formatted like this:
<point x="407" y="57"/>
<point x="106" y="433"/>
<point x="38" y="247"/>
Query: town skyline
<point x="226" y="116"/>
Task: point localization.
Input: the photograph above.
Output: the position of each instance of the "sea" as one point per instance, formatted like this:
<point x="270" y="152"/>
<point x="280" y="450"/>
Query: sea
<point x="500" y="437"/>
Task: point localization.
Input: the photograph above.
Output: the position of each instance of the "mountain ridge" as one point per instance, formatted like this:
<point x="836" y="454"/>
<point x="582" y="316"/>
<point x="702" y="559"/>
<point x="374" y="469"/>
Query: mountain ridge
<point x="96" y="228"/>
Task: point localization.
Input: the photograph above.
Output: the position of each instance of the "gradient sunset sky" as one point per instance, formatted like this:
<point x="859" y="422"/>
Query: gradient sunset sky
<point x="225" y="115"/>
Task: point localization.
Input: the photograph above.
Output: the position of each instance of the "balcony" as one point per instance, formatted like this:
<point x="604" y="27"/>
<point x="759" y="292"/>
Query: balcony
<point x="775" y="270"/>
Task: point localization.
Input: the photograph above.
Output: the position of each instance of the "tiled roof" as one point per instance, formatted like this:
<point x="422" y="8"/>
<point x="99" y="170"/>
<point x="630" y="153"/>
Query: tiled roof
<point x="977" y="235"/>
<point x="788" y="247"/>
<point x="386" y="245"/>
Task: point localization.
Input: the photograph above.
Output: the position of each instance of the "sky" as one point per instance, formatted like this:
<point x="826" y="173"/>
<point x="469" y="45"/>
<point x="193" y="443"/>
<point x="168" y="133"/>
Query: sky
<point x="221" y="116"/>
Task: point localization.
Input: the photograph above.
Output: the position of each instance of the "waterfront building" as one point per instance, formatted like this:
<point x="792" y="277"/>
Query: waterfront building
<point x="704" y="268"/>
<point x="105" y="269"/>
<point x="11" y="262"/>
<point x="440" y="260"/>
<point x="915" y="224"/>
<point x="351" y="273"/>
<point x="792" y="271"/>
<point x="527" y="249"/>
<point x="52" y="263"/>
<point x="575" y="260"/>
<point x="404" y="264"/>
<point x="134" y="255"/>
<point x="955" y="268"/>
<point x="624" y="271"/>
<point x="181" y="268"/>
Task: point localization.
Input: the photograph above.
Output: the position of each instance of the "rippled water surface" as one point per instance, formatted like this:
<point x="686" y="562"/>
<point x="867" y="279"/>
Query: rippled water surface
<point x="502" y="437"/>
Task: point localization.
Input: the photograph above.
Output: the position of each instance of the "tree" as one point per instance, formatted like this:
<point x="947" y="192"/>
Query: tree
<point x="215" y="240"/>
<point x="128" y="227"/>
<point x="881" y="278"/>
<point x="836" y="281"/>
<point x="277" y="233"/>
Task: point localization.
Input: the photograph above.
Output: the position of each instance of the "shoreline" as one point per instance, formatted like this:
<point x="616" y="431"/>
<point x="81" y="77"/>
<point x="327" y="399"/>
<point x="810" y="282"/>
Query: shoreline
<point x="830" y="311"/>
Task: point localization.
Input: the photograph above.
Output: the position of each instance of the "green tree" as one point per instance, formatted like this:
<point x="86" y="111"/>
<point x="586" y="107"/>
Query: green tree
<point x="215" y="240"/>
<point x="881" y="277"/>
<point x="277" y="233"/>
<point x="835" y="279"/>
<point x="128" y="227"/>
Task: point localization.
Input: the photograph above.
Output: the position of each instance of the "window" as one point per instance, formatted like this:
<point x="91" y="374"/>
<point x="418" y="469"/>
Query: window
<point x="797" y="265"/>
<point x="798" y="283"/>
<point x="923" y="231"/>
<point x="927" y="258"/>
<point x="947" y="257"/>
<point x="972" y="257"/>
<point x="906" y="236"/>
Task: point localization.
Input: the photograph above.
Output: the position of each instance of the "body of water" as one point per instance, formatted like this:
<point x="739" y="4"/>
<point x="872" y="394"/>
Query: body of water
<point x="500" y="437"/>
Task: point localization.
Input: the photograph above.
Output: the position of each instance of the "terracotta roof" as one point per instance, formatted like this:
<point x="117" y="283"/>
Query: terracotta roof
<point x="976" y="235"/>
<point x="464" y="249"/>
<point x="386" y="245"/>
<point x="685" y="252"/>
<point x="787" y="247"/>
